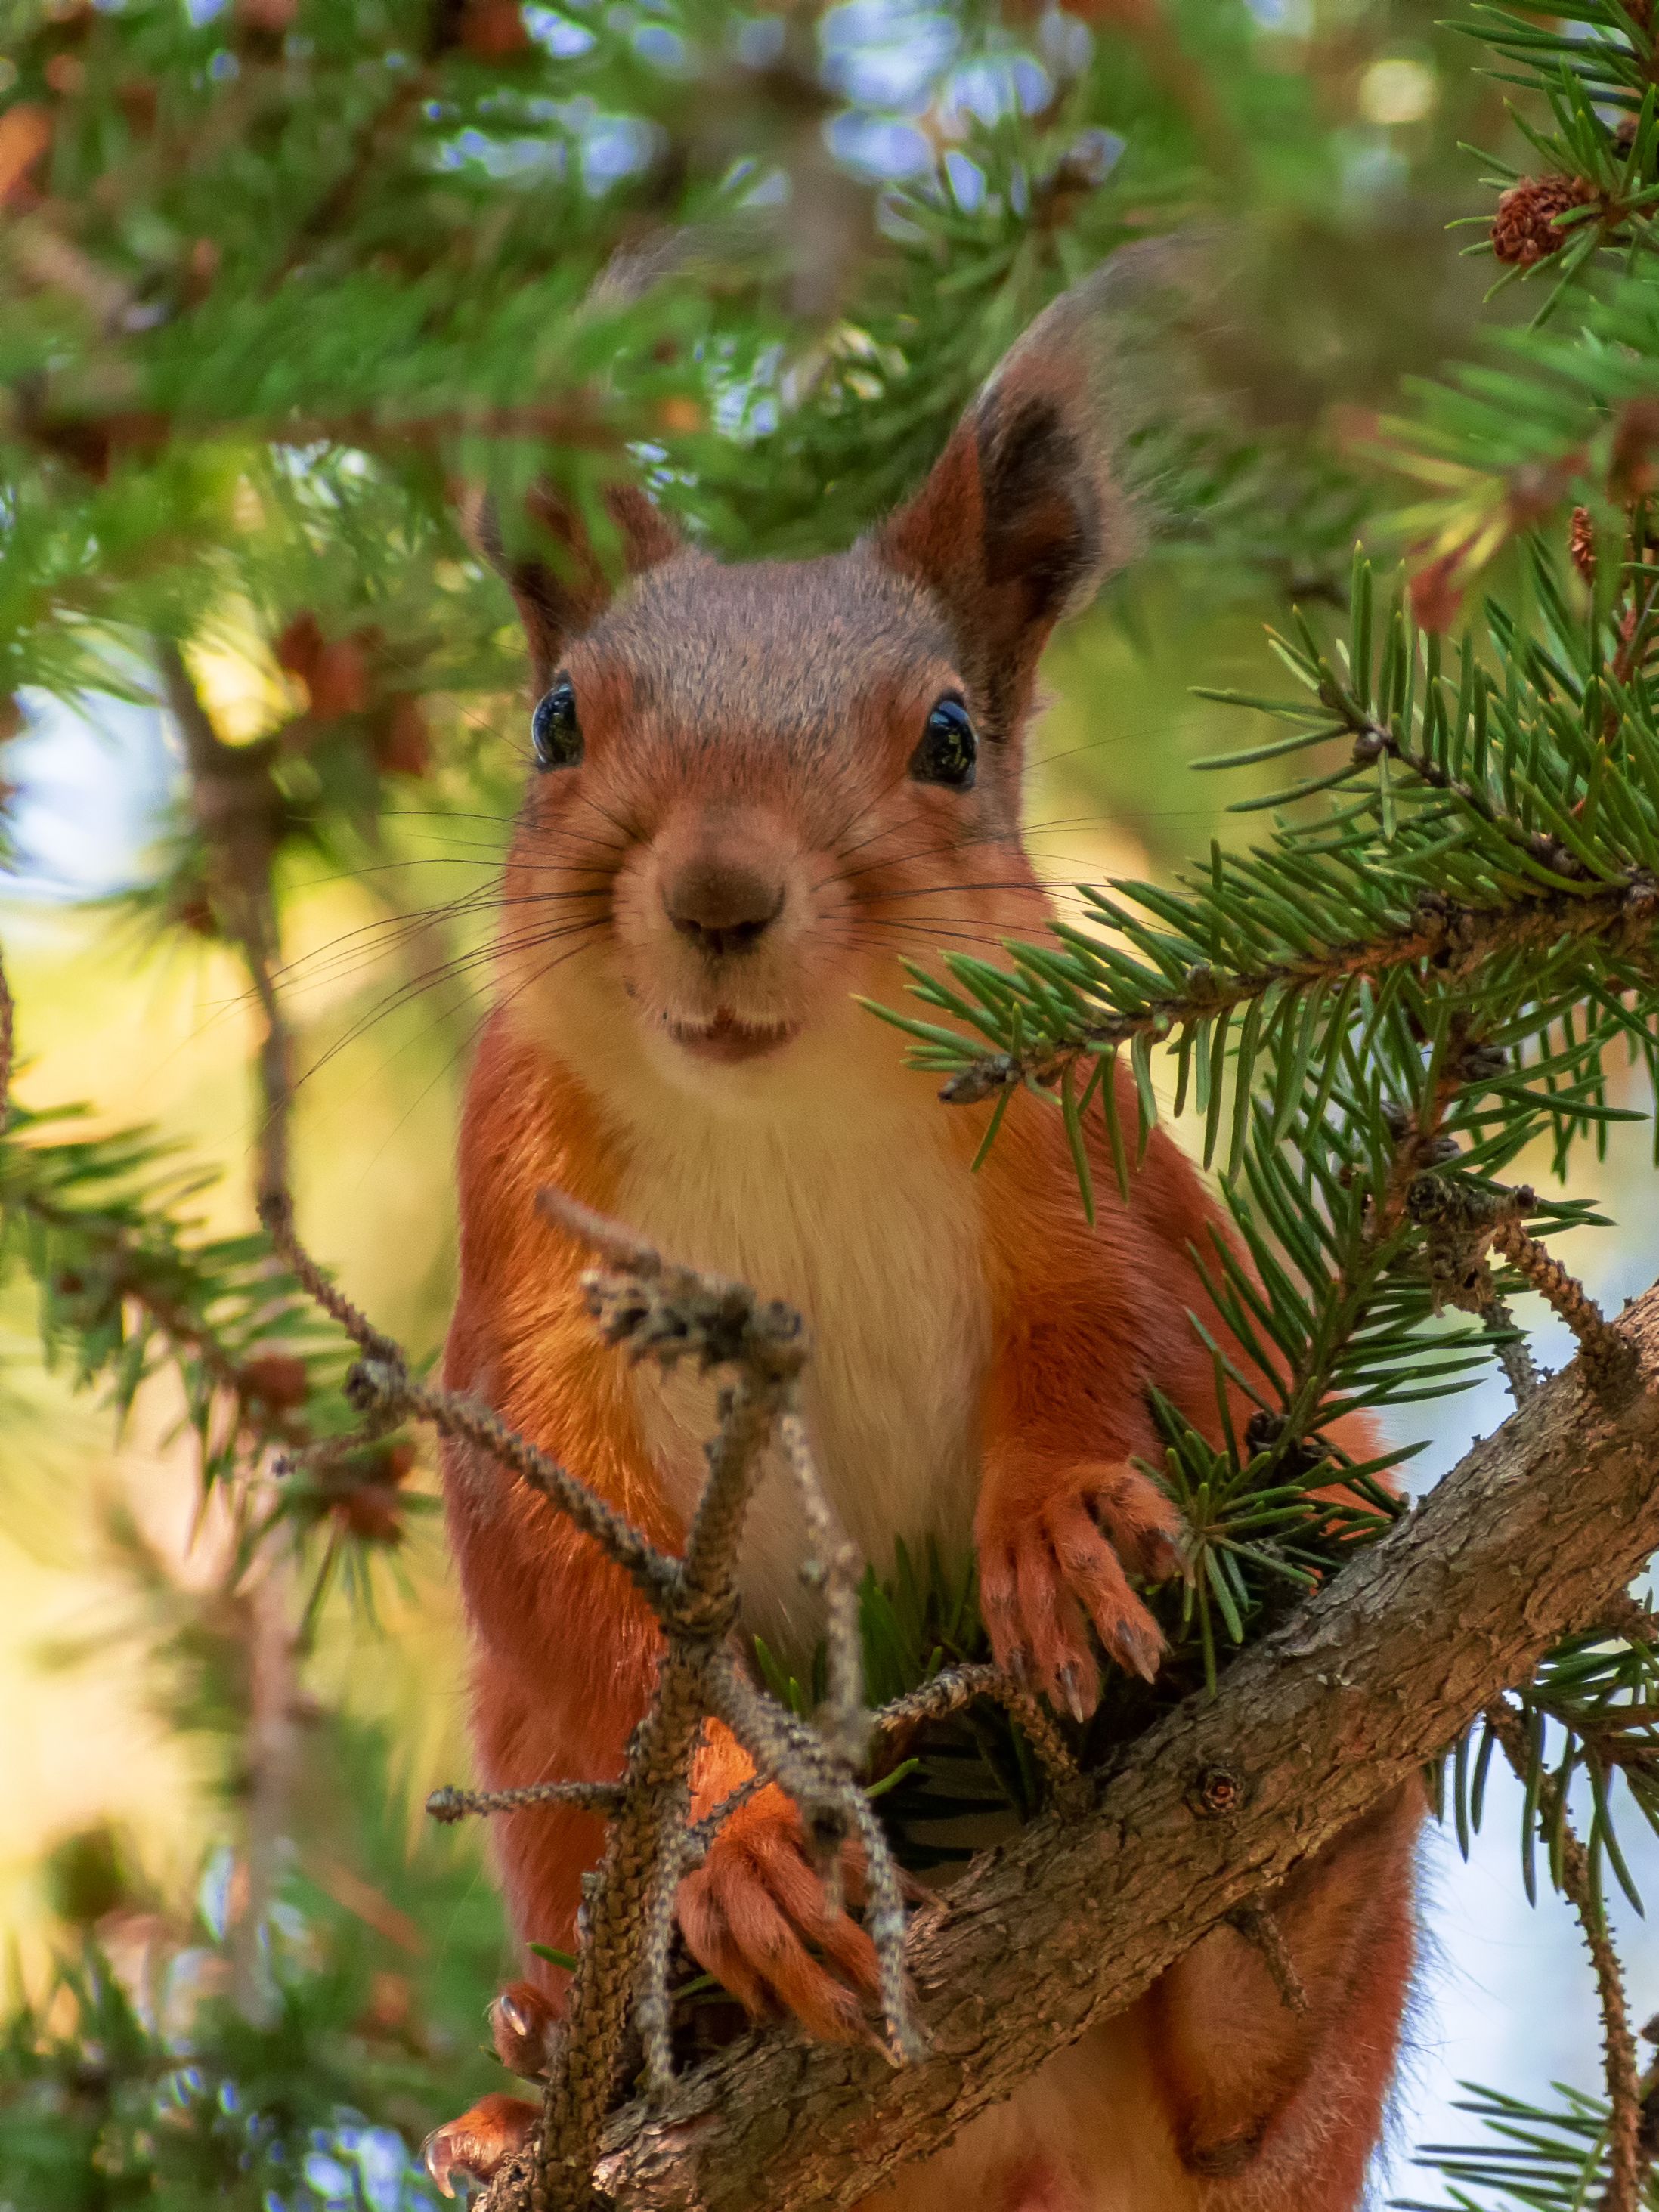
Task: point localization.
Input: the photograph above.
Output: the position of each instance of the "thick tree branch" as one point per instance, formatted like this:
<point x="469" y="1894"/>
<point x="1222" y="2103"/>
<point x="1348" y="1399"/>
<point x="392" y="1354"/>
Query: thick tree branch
<point x="1533" y="1535"/>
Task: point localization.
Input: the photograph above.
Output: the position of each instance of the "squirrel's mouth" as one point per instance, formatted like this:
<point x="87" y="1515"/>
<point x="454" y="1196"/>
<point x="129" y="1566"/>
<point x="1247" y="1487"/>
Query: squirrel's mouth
<point x="727" y="1041"/>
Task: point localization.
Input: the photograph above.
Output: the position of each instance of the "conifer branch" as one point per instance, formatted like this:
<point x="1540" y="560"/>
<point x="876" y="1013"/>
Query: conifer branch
<point x="449" y="1805"/>
<point x="958" y="1686"/>
<point x="1463" y="1221"/>
<point x="239" y="812"/>
<point x="1628" y="2161"/>
<point x="113" y="1241"/>
<point x="1607" y="1354"/>
<point x="1460" y="940"/>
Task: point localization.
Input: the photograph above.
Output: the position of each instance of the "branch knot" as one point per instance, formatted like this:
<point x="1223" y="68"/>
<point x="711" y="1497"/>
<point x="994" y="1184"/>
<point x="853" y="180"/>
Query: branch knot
<point x="377" y="1388"/>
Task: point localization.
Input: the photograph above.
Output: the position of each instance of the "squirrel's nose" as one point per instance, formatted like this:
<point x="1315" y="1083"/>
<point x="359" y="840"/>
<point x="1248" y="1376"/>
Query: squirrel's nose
<point x="722" y="906"/>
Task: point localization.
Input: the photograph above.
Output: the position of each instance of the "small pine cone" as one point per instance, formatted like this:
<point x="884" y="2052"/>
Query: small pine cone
<point x="373" y="1513"/>
<point x="279" y="1378"/>
<point x="1527" y="226"/>
<point x="1581" y="544"/>
<point x="401" y="744"/>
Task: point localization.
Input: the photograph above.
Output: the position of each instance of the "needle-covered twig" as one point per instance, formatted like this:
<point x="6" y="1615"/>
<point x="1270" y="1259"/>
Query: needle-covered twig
<point x="450" y="1804"/>
<point x="1463" y="1223"/>
<point x="958" y="1687"/>
<point x="1628" y="2163"/>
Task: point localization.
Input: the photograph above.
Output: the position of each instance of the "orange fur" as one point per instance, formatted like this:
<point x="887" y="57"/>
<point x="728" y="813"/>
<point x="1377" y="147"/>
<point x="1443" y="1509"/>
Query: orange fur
<point x="689" y="914"/>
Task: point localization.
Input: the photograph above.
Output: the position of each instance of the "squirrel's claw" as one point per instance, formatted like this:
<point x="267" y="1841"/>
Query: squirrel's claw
<point x="523" y="2023"/>
<point x="476" y="2147"/>
<point x="1046" y="1577"/>
<point x="753" y="1914"/>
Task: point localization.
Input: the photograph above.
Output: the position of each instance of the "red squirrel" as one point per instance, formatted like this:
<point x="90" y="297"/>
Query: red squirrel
<point x="756" y="789"/>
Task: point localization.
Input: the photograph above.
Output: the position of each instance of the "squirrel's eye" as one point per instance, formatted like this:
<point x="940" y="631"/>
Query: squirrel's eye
<point x="949" y="748"/>
<point x="555" y="731"/>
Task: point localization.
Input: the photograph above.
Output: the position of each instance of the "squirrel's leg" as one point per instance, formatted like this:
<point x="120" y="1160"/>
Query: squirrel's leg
<point x="1081" y="1317"/>
<point x="1278" y="2107"/>
<point x="1064" y="1516"/>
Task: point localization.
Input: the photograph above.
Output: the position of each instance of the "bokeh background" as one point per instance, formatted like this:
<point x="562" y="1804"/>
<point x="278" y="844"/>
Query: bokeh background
<point x="1326" y="132"/>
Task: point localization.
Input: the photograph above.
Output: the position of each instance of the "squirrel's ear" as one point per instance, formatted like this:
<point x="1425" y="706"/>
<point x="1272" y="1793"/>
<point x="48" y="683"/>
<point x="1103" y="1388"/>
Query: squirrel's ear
<point x="562" y="574"/>
<point x="1024" y="516"/>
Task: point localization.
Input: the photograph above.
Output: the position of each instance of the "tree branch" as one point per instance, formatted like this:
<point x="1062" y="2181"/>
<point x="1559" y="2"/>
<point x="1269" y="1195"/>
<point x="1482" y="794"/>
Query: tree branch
<point x="1627" y="2166"/>
<point x="1530" y="1537"/>
<point x="1461" y="939"/>
<point x="239" y="812"/>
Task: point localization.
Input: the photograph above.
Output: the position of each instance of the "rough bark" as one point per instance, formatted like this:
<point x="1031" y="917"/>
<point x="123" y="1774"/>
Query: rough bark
<point x="1539" y="1525"/>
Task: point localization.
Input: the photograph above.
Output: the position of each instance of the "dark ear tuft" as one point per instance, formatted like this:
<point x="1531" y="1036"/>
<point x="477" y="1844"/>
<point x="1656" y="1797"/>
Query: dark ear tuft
<point x="562" y="574"/>
<point x="1044" y="523"/>
<point x="1024" y="515"/>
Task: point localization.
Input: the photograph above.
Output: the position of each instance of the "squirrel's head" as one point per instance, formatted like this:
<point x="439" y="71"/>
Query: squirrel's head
<point x="756" y="787"/>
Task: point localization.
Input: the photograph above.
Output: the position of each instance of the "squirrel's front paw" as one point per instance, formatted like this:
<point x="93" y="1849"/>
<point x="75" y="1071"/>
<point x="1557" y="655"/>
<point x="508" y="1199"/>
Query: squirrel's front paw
<point x="755" y="1914"/>
<point x="1051" y="1561"/>
<point x="481" y="2142"/>
<point x="524" y="2022"/>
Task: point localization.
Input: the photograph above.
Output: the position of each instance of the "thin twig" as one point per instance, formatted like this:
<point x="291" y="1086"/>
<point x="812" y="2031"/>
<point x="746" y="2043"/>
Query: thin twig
<point x="948" y="1693"/>
<point x="1514" y="1353"/>
<point x="276" y="1214"/>
<point x="1256" y="1924"/>
<point x="654" y="2007"/>
<point x="835" y="1807"/>
<point x="238" y="813"/>
<point x="382" y="1388"/>
<point x="1609" y="1359"/>
<point x="831" y="1564"/>
<point x="466" y="1419"/>
<point x="1628" y="1617"/>
<point x="701" y="1833"/>
<point x="449" y="1805"/>
<point x="1463" y="1223"/>
<point x="1626" y="2163"/>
